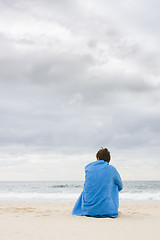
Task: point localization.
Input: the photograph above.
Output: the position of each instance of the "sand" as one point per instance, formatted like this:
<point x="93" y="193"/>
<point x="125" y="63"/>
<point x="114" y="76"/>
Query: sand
<point x="53" y="221"/>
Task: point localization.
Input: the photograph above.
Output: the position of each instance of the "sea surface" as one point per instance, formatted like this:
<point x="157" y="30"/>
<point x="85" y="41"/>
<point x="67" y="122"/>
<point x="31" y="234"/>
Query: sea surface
<point x="68" y="191"/>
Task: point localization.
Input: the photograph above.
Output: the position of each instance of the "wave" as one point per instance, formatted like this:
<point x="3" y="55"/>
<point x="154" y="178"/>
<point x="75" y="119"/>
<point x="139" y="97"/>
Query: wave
<point x="143" y="196"/>
<point x="66" y="186"/>
<point x="14" y="196"/>
<point x="60" y="186"/>
<point x="36" y="196"/>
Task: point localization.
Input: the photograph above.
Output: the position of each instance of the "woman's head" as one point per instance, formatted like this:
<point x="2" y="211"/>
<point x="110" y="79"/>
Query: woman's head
<point x="103" y="154"/>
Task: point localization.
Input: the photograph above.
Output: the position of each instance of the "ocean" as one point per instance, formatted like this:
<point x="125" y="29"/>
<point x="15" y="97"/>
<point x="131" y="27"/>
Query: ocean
<point x="68" y="191"/>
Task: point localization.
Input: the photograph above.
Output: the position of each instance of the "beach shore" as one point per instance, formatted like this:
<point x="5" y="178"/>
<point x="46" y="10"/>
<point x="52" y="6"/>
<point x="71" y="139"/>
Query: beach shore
<point x="39" y="220"/>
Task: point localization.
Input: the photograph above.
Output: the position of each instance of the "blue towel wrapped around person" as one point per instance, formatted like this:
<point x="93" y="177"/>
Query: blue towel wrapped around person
<point x="100" y="195"/>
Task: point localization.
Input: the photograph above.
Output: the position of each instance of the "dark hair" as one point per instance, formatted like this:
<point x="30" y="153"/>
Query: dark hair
<point x="103" y="154"/>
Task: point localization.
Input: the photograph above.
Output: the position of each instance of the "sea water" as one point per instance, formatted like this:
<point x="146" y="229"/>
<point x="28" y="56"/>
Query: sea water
<point x="68" y="191"/>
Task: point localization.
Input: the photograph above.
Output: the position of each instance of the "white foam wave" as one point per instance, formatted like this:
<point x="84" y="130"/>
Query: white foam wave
<point x="38" y="196"/>
<point x="149" y="196"/>
<point x="14" y="196"/>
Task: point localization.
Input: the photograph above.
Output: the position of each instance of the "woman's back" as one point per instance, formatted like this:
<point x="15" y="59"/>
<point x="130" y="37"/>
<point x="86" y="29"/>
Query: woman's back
<point x="99" y="197"/>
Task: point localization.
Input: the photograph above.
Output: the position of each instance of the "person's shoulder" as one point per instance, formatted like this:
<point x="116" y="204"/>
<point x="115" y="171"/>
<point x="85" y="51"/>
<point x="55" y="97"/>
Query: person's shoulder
<point x="91" y="164"/>
<point x="112" y="168"/>
<point x="96" y="164"/>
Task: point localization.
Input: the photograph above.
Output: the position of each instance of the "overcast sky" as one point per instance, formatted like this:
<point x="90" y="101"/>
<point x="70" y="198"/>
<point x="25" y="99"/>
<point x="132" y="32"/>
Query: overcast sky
<point x="76" y="76"/>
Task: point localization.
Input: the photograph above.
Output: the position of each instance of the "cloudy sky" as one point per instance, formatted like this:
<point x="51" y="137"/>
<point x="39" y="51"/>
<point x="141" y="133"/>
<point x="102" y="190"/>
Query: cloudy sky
<point x="76" y="76"/>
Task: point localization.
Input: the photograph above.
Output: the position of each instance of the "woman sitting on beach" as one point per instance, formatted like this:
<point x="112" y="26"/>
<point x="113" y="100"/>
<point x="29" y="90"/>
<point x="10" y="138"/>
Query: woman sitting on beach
<point x="100" y="195"/>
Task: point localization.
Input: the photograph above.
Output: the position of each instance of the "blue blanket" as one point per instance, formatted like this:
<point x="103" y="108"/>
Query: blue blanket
<point x="100" y="195"/>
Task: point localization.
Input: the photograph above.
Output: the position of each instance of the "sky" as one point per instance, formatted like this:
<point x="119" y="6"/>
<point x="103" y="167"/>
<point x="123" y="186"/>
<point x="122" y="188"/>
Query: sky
<point x="76" y="76"/>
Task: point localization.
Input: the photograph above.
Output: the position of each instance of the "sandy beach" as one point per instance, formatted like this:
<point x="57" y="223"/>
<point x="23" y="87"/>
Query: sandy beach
<point x="39" y="220"/>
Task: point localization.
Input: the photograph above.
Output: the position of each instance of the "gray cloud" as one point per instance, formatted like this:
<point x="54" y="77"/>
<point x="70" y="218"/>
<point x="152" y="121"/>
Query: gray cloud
<point x="75" y="77"/>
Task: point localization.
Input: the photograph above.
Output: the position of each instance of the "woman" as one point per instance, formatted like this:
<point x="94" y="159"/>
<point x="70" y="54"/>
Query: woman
<point x="100" y="195"/>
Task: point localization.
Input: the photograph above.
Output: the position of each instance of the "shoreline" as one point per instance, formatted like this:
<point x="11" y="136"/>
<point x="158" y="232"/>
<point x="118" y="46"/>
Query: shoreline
<point x="73" y="201"/>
